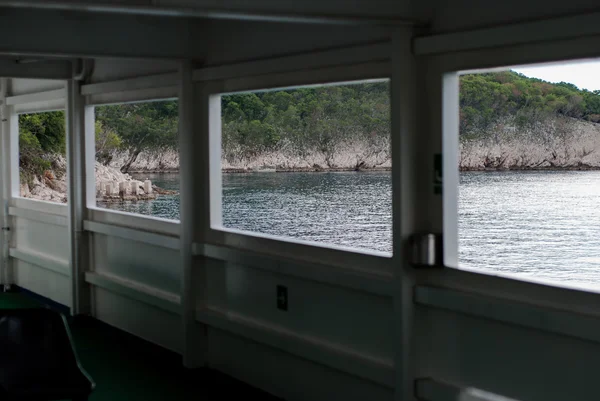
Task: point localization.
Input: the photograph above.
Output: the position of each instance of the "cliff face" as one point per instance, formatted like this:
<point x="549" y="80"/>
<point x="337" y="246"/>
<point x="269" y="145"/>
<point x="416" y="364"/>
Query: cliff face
<point x="554" y="143"/>
<point x="551" y="143"/>
<point x="345" y="156"/>
<point x="156" y="161"/>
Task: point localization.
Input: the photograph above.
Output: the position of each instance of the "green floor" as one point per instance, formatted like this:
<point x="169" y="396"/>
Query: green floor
<point x="127" y="368"/>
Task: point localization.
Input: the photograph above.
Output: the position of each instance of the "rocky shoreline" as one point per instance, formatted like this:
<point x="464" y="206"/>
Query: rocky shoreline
<point x="583" y="167"/>
<point x="539" y="168"/>
<point x="274" y="170"/>
<point x="112" y="186"/>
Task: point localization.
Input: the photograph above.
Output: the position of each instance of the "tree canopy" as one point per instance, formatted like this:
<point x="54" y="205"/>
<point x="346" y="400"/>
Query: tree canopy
<point x="40" y="136"/>
<point x="308" y="119"/>
<point x="136" y="127"/>
<point x="305" y="119"/>
<point x="488" y="98"/>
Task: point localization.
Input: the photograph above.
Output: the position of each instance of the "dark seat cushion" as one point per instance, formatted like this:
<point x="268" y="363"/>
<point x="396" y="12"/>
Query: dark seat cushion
<point x="37" y="358"/>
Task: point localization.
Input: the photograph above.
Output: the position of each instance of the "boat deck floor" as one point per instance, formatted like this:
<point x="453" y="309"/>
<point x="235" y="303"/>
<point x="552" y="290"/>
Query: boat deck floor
<point x="127" y="368"/>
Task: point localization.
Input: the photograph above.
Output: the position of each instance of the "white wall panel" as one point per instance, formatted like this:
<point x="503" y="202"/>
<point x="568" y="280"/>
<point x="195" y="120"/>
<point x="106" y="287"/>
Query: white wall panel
<point x="284" y="375"/>
<point x="145" y="321"/>
<point x="148" y="264"/>
<point x="507" y="359"/>
<point x="40" y="237"/>
<point x="352" y="319"/>
<point x="49" y="284"/>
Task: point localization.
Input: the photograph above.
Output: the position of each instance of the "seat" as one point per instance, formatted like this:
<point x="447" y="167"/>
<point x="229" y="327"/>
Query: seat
<point x="38" y="361"/>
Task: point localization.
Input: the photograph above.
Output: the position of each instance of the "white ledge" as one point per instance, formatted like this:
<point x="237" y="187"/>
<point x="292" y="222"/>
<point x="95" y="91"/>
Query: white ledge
<point x="47" y="262"/>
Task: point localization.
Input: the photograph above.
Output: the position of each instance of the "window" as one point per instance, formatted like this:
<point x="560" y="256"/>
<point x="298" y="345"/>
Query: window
<point x="137" y="158"/>
<point x="42" y="156"/>
<point x="309" y="163"/>
<point x="529" y="141"/>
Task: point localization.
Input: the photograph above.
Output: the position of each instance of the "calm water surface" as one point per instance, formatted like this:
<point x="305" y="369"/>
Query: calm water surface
<point x="543" y="225"/>
<point x="538" y="224"/>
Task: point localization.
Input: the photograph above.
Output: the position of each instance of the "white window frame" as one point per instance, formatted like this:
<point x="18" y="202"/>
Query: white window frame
<point x="351" y="65"/>
<point x="157" y="87"/>
<point x="31" y="103"/>
<point x="444" y="63"/>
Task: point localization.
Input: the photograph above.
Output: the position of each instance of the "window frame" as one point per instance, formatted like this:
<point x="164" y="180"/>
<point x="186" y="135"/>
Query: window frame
<point x="289" y="248"/>
<point x="158" y="87"/>
<point x="45" y="100"/>
<point x="443" y="67"/>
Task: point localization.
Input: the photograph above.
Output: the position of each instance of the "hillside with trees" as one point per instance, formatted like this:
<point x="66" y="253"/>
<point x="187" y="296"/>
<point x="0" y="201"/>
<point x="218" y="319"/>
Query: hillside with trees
<point x="324" y="127"/>
<point x="506" y="121"/>
<point x="510" y="121"/>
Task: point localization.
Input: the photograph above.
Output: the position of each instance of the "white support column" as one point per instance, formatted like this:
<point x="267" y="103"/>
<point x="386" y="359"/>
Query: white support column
<point x="5" y="188"/>
<point x="10" y="177"/>
<point x="13" y="146"/>
<point x="411" y="176"/>
<point x="193" y="156"/>
<point x="449" y="129"/>
<point x="77" y="197"/>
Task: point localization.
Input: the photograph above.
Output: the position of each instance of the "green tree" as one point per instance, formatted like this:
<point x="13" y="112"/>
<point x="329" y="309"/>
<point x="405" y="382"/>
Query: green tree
<point x="41" y="135"/>
<point x="141" y="126"/>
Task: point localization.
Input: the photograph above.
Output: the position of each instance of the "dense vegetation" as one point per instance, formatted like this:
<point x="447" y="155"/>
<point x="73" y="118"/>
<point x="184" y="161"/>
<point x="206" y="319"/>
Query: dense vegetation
<point x="486" y="99"/>
<point x="41" y="136"/>
<point x="327" y="120"/>
<point x="135" y="128"/>
<point x="509" y="121"/>
<point x="307" y="120"/>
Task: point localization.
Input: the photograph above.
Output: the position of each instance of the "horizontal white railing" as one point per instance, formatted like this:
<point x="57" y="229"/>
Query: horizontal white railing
<point x="302" y="251"/>
<point x="142" y="293"/>
<point x="146" y="237"/>
<point x="43" y="217"/>
<point x="512" y="312"/>
<point x="379" y="283"/>
<point x="51" y="263"/>
<point x="134" y="222"/>
<point x="40" y="206"/>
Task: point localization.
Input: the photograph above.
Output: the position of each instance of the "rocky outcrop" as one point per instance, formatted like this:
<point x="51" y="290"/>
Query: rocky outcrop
<point x="345" y="156"/>
<point x="556" y="144"/>
<point x="111" y="186"/>
<point x="46" y="189"/>
<point x="157" y="161"/>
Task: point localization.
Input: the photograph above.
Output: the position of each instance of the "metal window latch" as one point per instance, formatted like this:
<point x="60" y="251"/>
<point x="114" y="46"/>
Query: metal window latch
<point x="5" y="228"/>
<point x="427" y="250"/>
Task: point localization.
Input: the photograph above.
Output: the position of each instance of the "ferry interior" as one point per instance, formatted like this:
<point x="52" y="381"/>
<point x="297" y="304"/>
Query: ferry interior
<point x="160" y="309"/>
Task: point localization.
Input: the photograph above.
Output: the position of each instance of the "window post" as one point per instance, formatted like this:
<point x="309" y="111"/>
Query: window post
<point x="5" y="187"/>
<point x="77" y="197"/>
<point x="193" y="162"/>
<point x="10" y="175"/>
<point x="415" y="194"/>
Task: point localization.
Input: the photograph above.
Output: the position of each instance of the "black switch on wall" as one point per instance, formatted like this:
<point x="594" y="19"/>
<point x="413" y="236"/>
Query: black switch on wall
<point x="282" y="297"/>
